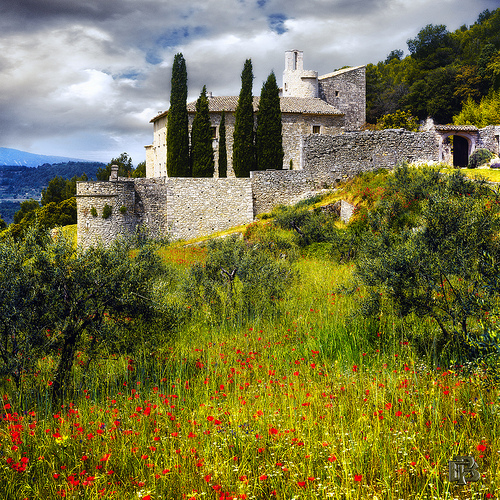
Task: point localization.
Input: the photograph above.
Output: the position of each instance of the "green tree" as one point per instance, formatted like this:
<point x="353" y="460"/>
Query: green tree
<point x="437" y="261"/>
<point x="24" y="208"/>
<point x="57" y="300"/>
<point x="399" y="119"/>
<point x="243" y="144"/>
<point x="3" y="224"/>
<point x="222" y="146"/>
<point x="202" y="152"/>
<point x="269" y="139"/>
<point x="486" y="112"/>
<point x="140" y="170"/>
<point x="125" y="167"/>
<point x="177" y="122"/>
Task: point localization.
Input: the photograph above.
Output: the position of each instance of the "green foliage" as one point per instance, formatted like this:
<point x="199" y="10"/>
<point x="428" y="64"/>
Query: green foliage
<point x="123" y="209"/>
<point x="93" y="211"/>
<point x="140" y="170"/>
<point x="3" y="224"/>
<point x="399" y="119"/>
<point x="202" y="152"/>
<point x="480" y="157"/>
<point x="25" y="207"/>
<point x="125" y="168"/>
<point x="482" y="114"/>
<point x="269" y="140"/>
<point x="238" y="281"/>
<point x="243" y="145"/>
<point x="222" y="146"/>
<point x="177" y="122"/>
<point x="46" y="217"/>
<point x="57" y="300"/>
<point x="427" y="252"/>
<point x="441" y="73"/>
<point x="107" y="211"/>
<point x="311" y="225"/>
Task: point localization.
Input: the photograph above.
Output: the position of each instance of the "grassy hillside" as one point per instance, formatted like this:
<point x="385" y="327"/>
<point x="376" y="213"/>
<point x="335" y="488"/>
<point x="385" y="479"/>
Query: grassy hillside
<point x="297" y="397"/>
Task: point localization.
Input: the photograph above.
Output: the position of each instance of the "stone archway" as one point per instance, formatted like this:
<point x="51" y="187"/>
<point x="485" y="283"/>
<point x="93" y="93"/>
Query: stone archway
<point x="465" y="138"/>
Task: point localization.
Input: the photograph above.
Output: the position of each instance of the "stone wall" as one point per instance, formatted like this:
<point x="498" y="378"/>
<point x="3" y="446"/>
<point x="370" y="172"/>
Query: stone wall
<point x="177" y="207"/>
<point x="333" y="158"/>
<point x="278" y="187"/>
<point x="346" y="90"/>
<point x="91" y="199"/>
<point x="198" y="207"/>
<point x="489" y="138"/>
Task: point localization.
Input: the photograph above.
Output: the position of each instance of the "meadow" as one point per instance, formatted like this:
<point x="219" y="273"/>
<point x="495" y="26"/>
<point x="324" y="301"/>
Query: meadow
<point x="310" y="400"/>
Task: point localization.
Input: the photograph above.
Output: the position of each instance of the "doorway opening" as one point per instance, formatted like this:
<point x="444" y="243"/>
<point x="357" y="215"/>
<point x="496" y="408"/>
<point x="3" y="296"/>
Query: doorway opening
<point x="460" y="150"/>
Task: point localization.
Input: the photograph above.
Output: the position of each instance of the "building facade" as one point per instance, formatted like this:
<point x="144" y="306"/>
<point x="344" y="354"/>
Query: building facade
<point x="310" y="104"/>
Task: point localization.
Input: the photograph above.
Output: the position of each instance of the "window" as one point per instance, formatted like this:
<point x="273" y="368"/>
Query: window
<point x="337" y="93"/>
<point x="316" y="129"/>
<point x="213" y="132"/>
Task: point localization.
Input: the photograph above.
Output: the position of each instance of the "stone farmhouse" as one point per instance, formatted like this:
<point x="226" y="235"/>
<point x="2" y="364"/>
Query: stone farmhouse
<point x="329" y="105"/>
<point x="323" y="143"/>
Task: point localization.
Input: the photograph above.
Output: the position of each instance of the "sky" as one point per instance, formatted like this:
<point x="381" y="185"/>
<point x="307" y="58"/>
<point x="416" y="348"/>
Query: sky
<point x="83" y="78"/>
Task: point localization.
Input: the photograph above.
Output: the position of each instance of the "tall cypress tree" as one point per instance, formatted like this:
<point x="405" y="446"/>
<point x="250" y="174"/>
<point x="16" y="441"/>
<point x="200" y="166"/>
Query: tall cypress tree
<point x="269" y="139"/>
<point x="202" y="153"/>
<point x="177" y="122"/>
<point x="243" y="145"/>
<point x="222" y="146"/>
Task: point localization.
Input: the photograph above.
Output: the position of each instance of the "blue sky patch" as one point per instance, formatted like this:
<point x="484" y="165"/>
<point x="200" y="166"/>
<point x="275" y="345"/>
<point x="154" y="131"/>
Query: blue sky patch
<point x="277" y="23"/>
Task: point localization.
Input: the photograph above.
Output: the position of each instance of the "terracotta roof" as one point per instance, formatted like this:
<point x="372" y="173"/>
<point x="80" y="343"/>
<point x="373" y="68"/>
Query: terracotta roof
<point x="456" y="128"/>
<point x="301" y="105"/>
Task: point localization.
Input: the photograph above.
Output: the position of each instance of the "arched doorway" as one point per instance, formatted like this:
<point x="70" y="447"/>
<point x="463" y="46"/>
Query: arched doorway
<point x="460" y="151"/>
<point x="457" y="143"/>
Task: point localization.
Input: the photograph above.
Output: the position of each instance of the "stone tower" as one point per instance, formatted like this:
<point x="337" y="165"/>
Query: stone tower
<point x="298" y="82"/>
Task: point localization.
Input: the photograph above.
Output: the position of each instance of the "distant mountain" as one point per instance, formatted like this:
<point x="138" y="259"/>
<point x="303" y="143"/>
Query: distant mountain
<point x="15" y="157"/>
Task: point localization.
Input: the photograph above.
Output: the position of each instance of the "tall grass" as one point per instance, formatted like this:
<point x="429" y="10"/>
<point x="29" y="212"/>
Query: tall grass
<point x="311" y="402"/>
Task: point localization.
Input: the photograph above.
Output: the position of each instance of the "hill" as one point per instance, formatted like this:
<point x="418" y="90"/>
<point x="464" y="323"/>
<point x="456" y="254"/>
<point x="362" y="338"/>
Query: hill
<point x="19" y="182"/>
<point x="14" y="157"/>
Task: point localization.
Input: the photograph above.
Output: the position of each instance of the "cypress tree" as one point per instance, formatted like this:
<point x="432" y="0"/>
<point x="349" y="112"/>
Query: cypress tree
<point x="269" y="140"/>
<point x="222" y="146"/>
<point x="177" y="122"/>
<point x="243" y="145"/>
<point x="202" y="153"/>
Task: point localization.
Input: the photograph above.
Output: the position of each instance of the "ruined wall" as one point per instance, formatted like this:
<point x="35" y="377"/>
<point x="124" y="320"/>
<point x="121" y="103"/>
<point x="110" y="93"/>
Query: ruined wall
<point x="489" y="138"/>
<point x="333" y="158"/>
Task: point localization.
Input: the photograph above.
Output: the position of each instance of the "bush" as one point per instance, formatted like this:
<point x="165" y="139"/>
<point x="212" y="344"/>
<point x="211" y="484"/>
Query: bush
<point x="106" y="211"/>
<point x="238" y="280"/>
<point x="479" y="157"/>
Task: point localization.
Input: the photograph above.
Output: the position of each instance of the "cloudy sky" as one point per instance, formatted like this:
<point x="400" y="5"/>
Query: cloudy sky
<point x="83" y="78"/>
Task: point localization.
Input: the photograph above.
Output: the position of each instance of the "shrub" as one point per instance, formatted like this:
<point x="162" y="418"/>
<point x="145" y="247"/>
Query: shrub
<point x="93" y="211"/>
<point x="479" y="157"/>
<point x="123" y="209"/>
<point x="106" y="211"/>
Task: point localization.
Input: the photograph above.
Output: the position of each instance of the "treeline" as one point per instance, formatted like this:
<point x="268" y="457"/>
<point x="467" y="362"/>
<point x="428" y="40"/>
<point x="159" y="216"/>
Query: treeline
<point x="57" y="206"/>
<point x="19" y="180"/>
<point x="444" y="72"/>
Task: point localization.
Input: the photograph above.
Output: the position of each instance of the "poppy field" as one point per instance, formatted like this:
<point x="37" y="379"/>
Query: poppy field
<point x="310" y="402"/>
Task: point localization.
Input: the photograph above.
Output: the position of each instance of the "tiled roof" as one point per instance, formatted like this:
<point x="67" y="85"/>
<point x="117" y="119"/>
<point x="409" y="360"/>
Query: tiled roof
<point x="301" y="105"/>
<point x="456" y="128"/>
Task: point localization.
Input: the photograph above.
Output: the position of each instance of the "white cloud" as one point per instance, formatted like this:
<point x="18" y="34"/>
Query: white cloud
<point x="83" y="78"/>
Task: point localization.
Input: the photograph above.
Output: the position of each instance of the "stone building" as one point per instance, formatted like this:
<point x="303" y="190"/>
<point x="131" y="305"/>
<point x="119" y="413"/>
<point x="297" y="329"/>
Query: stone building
<point x="323" y="144"/>
<point x="310" y="104"/>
